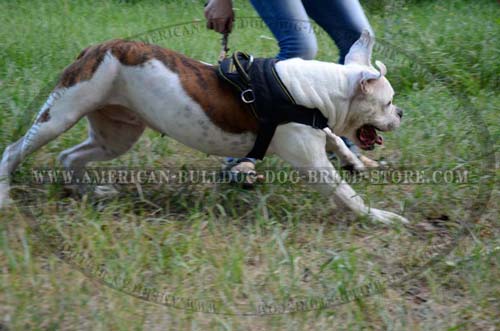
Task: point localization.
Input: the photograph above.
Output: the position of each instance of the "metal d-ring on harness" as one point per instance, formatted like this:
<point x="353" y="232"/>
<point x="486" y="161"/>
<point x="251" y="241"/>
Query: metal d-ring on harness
<point x="247" y="96"/>
<point x="261" y="89"/>
<point x="235" y="71"/>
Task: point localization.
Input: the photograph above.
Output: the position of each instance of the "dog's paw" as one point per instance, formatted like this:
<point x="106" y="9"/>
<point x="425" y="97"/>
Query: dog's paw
<point x="353" y="165"/>
<point x="99" y="191"/>
<point x="386" y="217"/>
<point x="5" y="201"/>
<point x="359" y="166"/>
<point x="103" y="191"/>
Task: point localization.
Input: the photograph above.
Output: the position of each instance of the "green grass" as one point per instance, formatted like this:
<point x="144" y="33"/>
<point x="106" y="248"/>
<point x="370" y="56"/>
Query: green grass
<point x="276" y="242"/>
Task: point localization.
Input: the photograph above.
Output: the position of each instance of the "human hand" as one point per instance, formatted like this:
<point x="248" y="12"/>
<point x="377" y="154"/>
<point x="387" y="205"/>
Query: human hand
<point x="219" y="15"/>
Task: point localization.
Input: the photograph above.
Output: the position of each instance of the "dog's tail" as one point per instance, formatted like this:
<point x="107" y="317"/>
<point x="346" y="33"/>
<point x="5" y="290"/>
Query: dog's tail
<point x="85" y="64"/>
<point x="82" y="53"/>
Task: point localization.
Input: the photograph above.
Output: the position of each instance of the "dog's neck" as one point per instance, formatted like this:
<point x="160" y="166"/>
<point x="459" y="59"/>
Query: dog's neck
<point x="320" y="85"/>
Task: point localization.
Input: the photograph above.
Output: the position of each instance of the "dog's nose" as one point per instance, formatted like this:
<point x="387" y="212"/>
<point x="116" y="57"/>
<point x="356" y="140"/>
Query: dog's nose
<point x="399" y="111"/>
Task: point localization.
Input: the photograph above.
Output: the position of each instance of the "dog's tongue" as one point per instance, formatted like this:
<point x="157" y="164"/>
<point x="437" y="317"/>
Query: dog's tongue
<point x="368" y="136"/>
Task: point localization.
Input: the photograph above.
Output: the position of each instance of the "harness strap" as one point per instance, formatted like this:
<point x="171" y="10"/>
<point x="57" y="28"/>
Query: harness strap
<point x="266" y="130"/>
<point x="243" y="68"/>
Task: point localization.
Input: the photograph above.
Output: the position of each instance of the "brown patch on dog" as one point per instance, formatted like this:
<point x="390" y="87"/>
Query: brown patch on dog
<point x="217" y="98"/>
<point x="45" y="116"/>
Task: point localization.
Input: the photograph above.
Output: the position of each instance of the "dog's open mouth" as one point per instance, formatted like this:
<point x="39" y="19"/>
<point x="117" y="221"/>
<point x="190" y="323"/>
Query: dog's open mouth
<point x="368" y="137"/>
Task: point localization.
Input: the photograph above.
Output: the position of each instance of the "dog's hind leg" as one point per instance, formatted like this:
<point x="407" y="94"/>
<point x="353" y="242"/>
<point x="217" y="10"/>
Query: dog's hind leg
<point x="11" y="158"/>
<point x="64" y="107"/>
<point x="304" y="148"/>
<point x="113" y="130"/>
<point x="56" y="116"/>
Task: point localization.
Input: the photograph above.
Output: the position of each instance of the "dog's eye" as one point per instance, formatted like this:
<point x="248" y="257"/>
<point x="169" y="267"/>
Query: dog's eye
<point x="389" y="103"/>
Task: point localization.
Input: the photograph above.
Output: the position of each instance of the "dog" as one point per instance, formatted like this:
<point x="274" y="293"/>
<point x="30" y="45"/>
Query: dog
<point x="122" y="87"/>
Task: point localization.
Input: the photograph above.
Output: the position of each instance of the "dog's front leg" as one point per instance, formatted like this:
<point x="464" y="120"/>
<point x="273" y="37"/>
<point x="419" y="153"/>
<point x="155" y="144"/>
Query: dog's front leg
<point x="304" y="148"/>
<point x="337" y="145"/>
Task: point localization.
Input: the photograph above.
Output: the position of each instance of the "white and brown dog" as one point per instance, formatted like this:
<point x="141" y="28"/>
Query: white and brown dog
<point x="122" y="87"/>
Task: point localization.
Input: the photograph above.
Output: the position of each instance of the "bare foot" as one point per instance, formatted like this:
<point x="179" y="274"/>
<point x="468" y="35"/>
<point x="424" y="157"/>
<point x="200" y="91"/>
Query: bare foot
<point x="244" y="173"/>
<point x="369" y="163"/>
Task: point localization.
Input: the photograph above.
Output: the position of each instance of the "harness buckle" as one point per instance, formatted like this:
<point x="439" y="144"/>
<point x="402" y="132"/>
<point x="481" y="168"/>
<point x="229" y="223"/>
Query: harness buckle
<point x="248" y="96"/>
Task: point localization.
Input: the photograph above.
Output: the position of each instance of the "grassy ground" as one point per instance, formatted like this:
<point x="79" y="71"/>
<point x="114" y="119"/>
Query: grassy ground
<point x="276" y="242"/>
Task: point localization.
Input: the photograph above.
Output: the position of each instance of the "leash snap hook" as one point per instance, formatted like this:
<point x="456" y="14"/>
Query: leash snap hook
<point x="248" y="96"/>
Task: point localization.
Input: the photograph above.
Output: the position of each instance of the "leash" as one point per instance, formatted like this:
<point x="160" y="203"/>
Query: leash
<point x="224" y="48"/>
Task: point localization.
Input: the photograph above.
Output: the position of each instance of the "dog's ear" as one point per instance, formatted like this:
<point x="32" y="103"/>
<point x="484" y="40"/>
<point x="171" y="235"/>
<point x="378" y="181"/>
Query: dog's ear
<point x="361" y="50"/>
<point x="370" y="76"/>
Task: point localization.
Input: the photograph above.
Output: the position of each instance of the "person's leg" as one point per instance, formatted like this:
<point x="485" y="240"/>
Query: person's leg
<point x="351" y="146"/>
<point x="343" y="20"/>
<point x="289" y="23"/>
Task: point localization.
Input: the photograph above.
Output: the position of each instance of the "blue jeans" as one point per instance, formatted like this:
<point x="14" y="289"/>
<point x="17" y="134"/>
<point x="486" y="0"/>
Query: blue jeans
<point x="288" y="20"/>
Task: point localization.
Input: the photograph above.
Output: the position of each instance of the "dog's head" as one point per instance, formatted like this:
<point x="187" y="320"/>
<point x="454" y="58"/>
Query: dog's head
<point x="371" y="107"/>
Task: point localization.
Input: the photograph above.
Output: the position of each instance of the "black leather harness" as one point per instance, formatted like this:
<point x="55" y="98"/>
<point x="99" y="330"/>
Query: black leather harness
<point x="267" y="97"/>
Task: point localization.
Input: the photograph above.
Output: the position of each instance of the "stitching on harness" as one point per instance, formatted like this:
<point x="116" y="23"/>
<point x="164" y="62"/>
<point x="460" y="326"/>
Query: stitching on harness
<point x="278" y="79"/>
